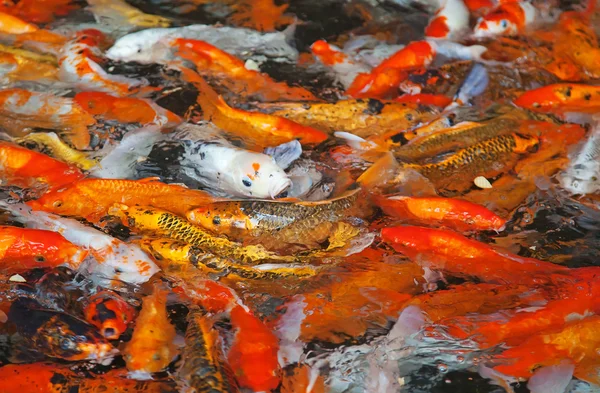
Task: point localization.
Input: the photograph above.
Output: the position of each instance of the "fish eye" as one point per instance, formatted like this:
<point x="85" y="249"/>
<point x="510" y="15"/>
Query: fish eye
<point x="247" y="183"/>
<point x="39" y="258"/>
<point x="504" y="23"/>
<point x="109" y="332"/>
<point x="58" y="203"/>
<point x="217" y="220"/>
<point x="66" y="344"/>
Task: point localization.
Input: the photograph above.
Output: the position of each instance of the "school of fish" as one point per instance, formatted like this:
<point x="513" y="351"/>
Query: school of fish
<point x="335" y="196"/>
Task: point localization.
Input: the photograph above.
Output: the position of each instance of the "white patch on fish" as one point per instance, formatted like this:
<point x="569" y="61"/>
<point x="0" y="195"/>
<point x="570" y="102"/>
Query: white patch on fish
<point x="552" y="379"/>
<point x="285" y="154"/>
<point x="582" y="175"/>
<point x="288" y="331"/>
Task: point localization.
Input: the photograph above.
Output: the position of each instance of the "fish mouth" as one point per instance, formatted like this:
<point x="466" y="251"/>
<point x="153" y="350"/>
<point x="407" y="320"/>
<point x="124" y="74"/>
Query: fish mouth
<point x="278" y="186"/>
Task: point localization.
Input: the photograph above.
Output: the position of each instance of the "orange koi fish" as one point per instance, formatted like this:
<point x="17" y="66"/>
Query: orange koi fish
<point x="453" y="213"/>
<point x="253" y="354"/>
<point x="458" y="255"/>
<point x="125" y="109"/>
<point x="207" y="57"/>
<point x="507" y="19"/>
<point x="38" y="11"/>
<point x="258" y="130"/>
<point x="327" y="54"/>
<point x="91" y="198"/>
<point x="562" y="98"/>
<point x="575" y="298"/>
<point x="110" y="313"/>
<point x="450" y="20"/>
<point x="151" y="347"/>
<point x="261" y="15"/>
<point x="12" y="25"/>
<point x="25" y="168"/>
<point x="22" y="67"/>
<point x="386" y="77"/>
<point x="577" y="342"/>
<point x="23" y="110"/>
<point x="79" y="65"/>
<point x="24" y="249"/>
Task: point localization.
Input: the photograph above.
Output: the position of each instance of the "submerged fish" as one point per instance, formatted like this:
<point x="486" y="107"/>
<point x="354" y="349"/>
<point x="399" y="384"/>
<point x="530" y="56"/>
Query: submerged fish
<point x="59" y="149"/>
<point x="204" y="367"/>
<point x="151" y="347"/>
<point x="110" y="313"/>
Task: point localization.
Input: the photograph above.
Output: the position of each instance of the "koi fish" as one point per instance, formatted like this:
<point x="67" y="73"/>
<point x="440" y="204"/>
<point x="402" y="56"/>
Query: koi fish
<point x="78" y="65"/>
<point x="581" y="174"/>
<point x="257" y="130"/>
<point x="35" y="377"/>
<point x="510" y="18"/>
<point x="363" y="118"/>
<point x="125" y="109"/>
<point x="110" y="313"/>
<point x="449" y="21"/>
<point x="21" y="66"/>
<point x="273" y="222"/>
<point x="12" y="25"/>
<point x="561" y="98"/>
<point x="91" y="198"/>
<point x="151" y="347"/>
<point x="38" y="11"/>
<point x="59" y="149"/>
<point x="58" y="335"/>
<point x="204" y="367"/>
<point x="25" y="168"/>
<point x="461" y="135"/>
<point x="23" y="110"/>
<point x="576" y="343"/>
<point x="487" y="158"/>
<point x="152" y="45"/>
<point x="458" y="255"/>
<point x="345" y="69"/>
<point x="261" y="15"/>
<point x="119" y="14"/>
<point x="438" y="100"/>
<point x="224" y="169"/>
<point x="180" y="257"/>
<point x="24" y="249"/>
<point x="253" y="353"/>
<point x="210" y="59"/>
<point x="453" y="213"/>
<point x="148" y="219"/>
<point x="111" y="259"/>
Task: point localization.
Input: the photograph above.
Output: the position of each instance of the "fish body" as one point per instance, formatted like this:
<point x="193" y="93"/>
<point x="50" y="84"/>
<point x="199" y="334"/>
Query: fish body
<point x="459" y="136"/>
<point x="456" y="254"/>
<point x="91" y="198"/>
<point x="209" y="59"/>
<point x="59" y="149"/>
<point x="204" y="366"/>
<point x="151" y="347"/>
<point x="453" y="213"/>
<point x="510" y="18"/>
<point x="12" y="25"/>
<point x="110" y="313"/>
<point x="126" y="109"/>
<point x="24" y="249"/>
<point x="24" y="168"/>
<point x="257" y="130"/>
<point x="581" y="174"/>
<point x="449" y="21"/>
<point x="120" y="15"/>
<point x="79" y="66"/>
<point x="153" y="45"/>
<point x="561" y="98"/>
<point x="111" y="259"/>
<point x="180" y="257"/>
<point x="345" y="68"/>
<point x="148" y="219"/>
<point x="287" y="221"/>
<point x="22" y="110"/>
<point x="35" y="378"/>
<point x="58" y="335"/>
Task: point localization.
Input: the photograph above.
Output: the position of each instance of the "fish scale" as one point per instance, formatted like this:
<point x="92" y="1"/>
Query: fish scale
<point x="204" y="369"/>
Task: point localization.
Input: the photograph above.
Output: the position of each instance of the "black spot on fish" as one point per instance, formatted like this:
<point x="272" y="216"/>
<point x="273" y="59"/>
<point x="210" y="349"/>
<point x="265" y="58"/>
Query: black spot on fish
<point x="58" y="379"/>
<point x="587" y="97"/>
<point x="247" y="183"/>
<point x="399" y="138"/>
<point x="202" y="155"/>
<point x="568" y="92"/>
<point x="374" y="107"/>
<point x="104" y="314"/>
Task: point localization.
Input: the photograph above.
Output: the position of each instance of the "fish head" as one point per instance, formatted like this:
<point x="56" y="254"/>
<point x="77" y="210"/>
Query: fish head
<point x="258" y="176"/>
<point x="64" y="201"/>
<point x="110" y="313"/>
<point x="493" y="25"/>
<point x="141" y="46"/>
<point x="69" y="338"/>
<point x="218" y="218"/>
